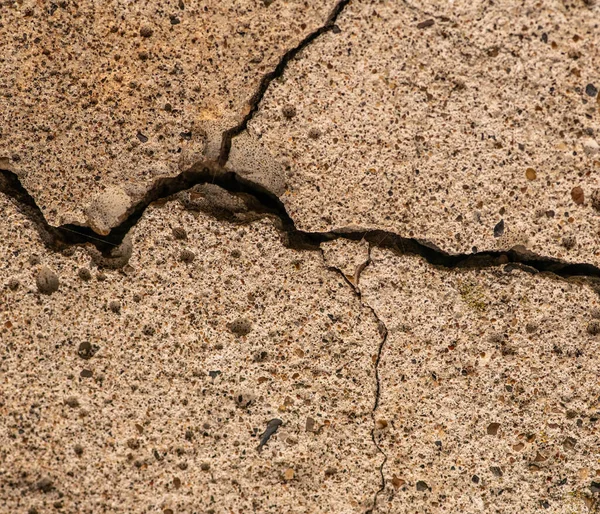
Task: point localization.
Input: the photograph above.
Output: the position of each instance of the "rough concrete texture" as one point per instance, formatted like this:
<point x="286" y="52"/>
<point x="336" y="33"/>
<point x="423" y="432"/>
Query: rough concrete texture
<point x="252" y="306"/>
<point x="349" y="257"/>
<point x="149" y="388"/>
<point x="489" y="389"/>
<point x="118" y="93"/>
<point x="472" y="125"/>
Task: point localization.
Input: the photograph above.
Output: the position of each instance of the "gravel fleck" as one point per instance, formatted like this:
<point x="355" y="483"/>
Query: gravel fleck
<point x="240" y="327"/>
<point x="288" y="111"/>
<point x="146" y="31"/>
<point x="84" y="274"/>
<point x="47" y="281"/>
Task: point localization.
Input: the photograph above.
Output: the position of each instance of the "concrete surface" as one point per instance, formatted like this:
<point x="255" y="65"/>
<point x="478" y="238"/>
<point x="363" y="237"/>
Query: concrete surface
<point x="472" y="125"/>
<point x="489" y="389"/>
<point x="120" y="387"/>
<point x="272" y="335"/>
<point x="117" y="94"/>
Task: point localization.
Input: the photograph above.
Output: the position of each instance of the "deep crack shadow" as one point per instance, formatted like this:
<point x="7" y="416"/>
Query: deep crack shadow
<point x="265" y="202"/>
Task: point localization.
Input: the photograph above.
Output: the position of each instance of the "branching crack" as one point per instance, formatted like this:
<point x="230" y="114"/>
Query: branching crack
<point x="383" y="333"/>
<point x="266" y="203"/>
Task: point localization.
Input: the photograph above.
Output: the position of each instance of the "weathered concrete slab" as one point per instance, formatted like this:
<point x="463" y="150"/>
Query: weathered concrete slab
<point x="472" y="125"/>
<point x="116" y="94"/>
<point x="489" y="389"/>
<point x="147" y="389"/>
<point x="219" y="360"/>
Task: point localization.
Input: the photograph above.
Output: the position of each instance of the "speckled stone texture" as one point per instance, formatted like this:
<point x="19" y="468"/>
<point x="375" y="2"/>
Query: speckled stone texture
<point x="489" y="389"/>
<point x="119" y="93"/>
<point x="221" y="359"/>
<point x="472" y="125"/>
<point x="148" y="389"/>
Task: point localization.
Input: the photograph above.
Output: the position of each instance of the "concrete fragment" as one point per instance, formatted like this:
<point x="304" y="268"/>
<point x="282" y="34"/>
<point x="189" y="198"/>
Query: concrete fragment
<point x="101" y="95"/>
<point x="107" y="210"/>
<point x="484" y="375"/>
<point x="167" y="368"/>
<point x="252" y="161"/>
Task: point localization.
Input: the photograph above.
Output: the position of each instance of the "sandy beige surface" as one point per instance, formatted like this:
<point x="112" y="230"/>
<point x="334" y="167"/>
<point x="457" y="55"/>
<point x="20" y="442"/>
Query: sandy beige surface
<point x="116" y="94"/>
<point x="148" y="388"/>
<point x="276" y="256"/>
<point x="472" y="125"/>
<point x="489" y="389"/>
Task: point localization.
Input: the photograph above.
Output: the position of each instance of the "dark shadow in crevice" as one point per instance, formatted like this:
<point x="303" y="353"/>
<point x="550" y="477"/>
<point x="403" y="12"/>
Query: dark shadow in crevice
<point x="267" y="203"/>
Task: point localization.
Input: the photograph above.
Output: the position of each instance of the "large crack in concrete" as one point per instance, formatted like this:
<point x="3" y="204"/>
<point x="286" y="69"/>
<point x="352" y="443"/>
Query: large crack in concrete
<point x="265" y="203"/>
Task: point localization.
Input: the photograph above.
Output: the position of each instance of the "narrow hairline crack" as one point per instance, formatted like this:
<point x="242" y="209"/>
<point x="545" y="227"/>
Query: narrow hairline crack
<point x="266" y="80"/>
<point x="62" y="237"/>
<point x="383" y="333"/>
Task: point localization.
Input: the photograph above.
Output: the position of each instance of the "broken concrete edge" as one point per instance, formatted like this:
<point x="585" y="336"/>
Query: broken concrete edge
<point x="213" y="171"/>
<point x="114" y="208"/>
<point x="265" y="203"/>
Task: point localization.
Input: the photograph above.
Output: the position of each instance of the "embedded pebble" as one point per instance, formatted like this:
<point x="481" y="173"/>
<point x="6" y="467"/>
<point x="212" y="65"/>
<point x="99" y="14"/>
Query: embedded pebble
<point x="85" y="350"/>
<point x="146" y="31"/>
<point x="240" y="327"/>
<point x="47" y="281"/>
<point x="72" y="401"/>
<point x="288" y="111"/>
<point x="179" y="233"/>
<point x="187" y="256"/>
<point x="577" y="195"/>
<point x="45" y="484"/>
<point x="84" y="274"/>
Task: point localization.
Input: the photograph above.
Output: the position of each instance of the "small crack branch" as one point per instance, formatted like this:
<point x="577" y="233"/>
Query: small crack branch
<point x="266" y="80"/>
<point x="383" y="333"/>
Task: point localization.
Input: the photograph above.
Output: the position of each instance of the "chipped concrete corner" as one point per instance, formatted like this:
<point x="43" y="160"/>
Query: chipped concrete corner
<point x="266" y="256"/>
